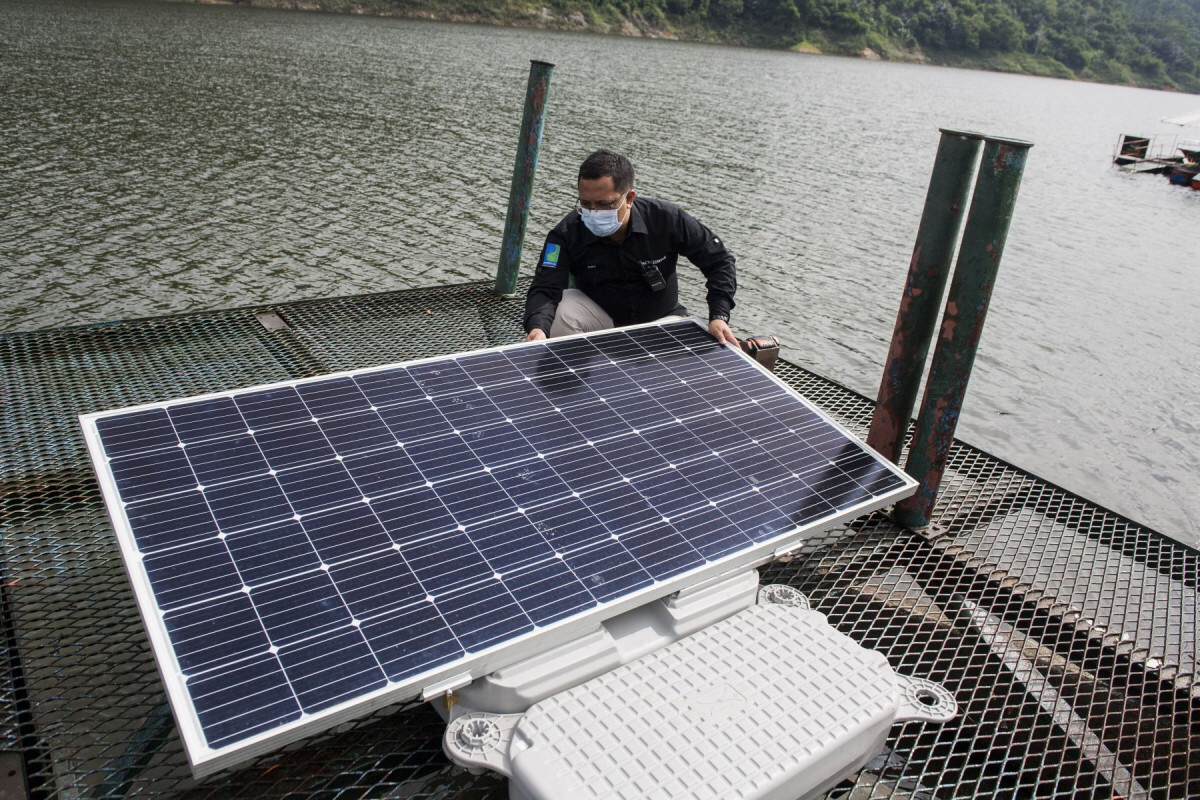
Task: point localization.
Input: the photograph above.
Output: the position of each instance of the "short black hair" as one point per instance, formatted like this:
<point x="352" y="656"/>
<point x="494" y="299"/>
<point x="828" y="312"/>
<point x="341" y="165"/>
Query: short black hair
<point x="614" y="165"/>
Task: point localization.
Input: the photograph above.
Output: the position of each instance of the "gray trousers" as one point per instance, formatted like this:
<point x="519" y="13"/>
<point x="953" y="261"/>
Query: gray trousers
<point x="578" y="313"/>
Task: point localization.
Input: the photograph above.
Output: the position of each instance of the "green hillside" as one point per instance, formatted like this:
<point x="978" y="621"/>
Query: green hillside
<point x="1153" y="43"/>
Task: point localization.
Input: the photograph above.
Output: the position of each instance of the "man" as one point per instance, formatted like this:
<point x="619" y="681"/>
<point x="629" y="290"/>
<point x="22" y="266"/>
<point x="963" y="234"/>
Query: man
<point x="622" y="250"/>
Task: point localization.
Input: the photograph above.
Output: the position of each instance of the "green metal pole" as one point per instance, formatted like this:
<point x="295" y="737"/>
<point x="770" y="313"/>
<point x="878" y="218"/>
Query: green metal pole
<point x="962" y="324"/>
<point x="941" y="220"/>
<point x="522" y="178"/>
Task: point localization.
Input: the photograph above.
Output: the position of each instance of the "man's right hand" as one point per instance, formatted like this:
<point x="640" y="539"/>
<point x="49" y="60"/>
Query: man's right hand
<point x="536" y="335"/>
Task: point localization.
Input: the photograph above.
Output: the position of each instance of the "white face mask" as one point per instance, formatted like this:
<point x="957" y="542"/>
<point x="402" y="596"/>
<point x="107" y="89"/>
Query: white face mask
<point x="602" y="223"/>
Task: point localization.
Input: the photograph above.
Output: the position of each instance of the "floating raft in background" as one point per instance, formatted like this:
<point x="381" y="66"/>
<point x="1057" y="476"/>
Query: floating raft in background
<point x="1066" y="632"/>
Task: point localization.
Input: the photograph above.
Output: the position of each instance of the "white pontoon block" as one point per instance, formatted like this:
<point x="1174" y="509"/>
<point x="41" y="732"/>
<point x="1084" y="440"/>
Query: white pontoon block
<point x="771" y="703"/>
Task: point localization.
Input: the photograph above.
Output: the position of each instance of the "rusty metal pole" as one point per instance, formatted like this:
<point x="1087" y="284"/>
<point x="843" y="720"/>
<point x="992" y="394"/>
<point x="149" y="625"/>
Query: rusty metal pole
<point x="928" y="270"/>
<point x="962" y="324"/>
<point x="522" y="178"/>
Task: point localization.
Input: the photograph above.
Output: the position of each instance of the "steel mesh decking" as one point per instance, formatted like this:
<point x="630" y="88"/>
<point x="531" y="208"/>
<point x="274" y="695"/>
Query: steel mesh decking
<point x="1067" y="633"/>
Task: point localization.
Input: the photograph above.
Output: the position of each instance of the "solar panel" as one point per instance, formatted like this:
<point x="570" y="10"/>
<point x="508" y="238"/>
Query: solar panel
<point x="304" y="553"/>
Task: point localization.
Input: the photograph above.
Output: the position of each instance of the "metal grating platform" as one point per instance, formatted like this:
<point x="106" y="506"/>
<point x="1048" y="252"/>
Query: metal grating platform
<point x="1067" y="633"/>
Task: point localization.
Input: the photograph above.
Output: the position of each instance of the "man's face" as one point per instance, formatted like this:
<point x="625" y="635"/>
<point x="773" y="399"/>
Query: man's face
<point x="599" y="194"/>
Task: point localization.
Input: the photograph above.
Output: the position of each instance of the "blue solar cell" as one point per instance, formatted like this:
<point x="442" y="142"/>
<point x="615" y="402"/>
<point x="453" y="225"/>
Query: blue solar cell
<point x="661" y="551"/>
<point x="694" y="337"/>
<point x="794" y="454"/>
<point x="136" y="432"/>
<point x="607" y="570"/>
<point x="836" y="489"/>
<point x="474" y="497"/>
<point x="655" y="339"/>
<point x="755" y="464"/>
<point x="483" y="615"/>
<point x="548" y="591"/>
<point x="149" y="474"/>
<point x="567" y="524"/>
<point x="326" y="670"/>
<point x="517" y="402"/>
<point x="640" y="410"/>
<point x="497" y="445"/>
<point x="446" y="562"/>
<point x="271" y="553"/>
<point x="510" y="543"/>
<point x="271" y="408"/>
<point x="227" y="459"/>
<point x="683" y="402"/>
<point x="754" y="424"/>
<point x="718" y="431"/>
<point x="489" y="369"/>
<point x="552" y="433"/>
<point x="191" y="573"/>
<point x="208" y="419"/>
<point x="609" y="380"/>
<point x="597" y="421"/>
<point x="755" y="516"/>
<point x="378" y="525"/>
<point x="354" y="433"/>
<point x="617" y="346"/>
<point x="469" y="410"/>
<point x="410" y="422"/>
<point x="632" y="455"/>
<point x="389" y="386"/>
<point x="577" y="353"/>
<point x="675" y="442"/>
<point x="248" y="503"/>
<point x="243" y="699"/>
<point x="442" y="377"/>
<point x="582" y="468"/>
<point x="443" y="456"/>
<point x="798" y="500"/>
<point x="669" y="494"/>
<point x="710" y="532"/>
<point x="649" y="373"/>
<point x="337" y="396"/>
<point x="534" y="360"/>
<point x="565" y="389"/>
<point x="412" y="515"/>
<point x="882" y="482"/>
<point x="300" y="608"/>
<point x="223" y="631"/>
<point x="621" y="508"/>
<point x="346" y="532"/>
<point x="377" y="584"/>
<point x="170" y="521"/>
<point x="532" y="483"/>
<point x="714" y="477"/>
<point x="411" y="640"/>
<point x="383" y="472"/>
<point x="294" y="444"/>
<point x="320" y="486"/>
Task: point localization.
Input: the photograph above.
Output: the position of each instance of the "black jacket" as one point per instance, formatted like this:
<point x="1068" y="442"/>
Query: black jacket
<point x="619" y="276"/>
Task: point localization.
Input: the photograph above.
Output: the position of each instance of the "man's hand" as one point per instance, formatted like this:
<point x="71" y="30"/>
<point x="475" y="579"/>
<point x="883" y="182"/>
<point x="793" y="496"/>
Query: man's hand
<point x="720" y="329"/>
<point x="536" y="335"/>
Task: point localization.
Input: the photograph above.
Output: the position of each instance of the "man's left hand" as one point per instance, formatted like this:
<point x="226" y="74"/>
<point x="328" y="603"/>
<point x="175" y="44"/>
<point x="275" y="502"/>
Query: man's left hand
<point x="720" y="329"/>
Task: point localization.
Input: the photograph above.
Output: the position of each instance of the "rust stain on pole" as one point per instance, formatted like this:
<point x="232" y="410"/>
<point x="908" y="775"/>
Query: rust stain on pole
<point x="928" y="270"/>
<point x="962" y="324"/>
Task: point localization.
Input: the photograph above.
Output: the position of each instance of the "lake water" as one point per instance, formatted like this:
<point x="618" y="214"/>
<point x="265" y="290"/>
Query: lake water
<point x="162" y="157"/>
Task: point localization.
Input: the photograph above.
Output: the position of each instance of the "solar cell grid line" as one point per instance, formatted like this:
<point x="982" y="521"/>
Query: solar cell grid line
<point x="307" y="552"/>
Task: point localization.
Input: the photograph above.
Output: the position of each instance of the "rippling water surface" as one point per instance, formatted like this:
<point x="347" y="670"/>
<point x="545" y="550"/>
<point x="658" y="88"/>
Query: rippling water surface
<point x="158" y="157"/>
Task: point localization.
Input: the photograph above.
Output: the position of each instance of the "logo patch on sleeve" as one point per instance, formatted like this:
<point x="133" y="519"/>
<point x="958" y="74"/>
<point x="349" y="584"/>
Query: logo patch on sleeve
<point x="550" y="256"/>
